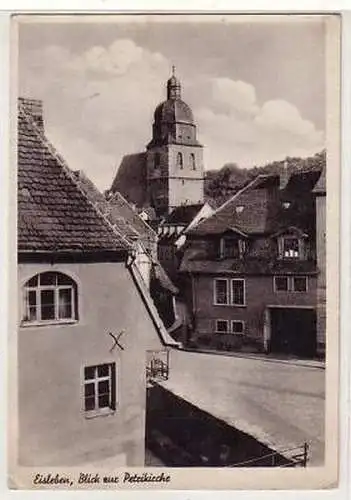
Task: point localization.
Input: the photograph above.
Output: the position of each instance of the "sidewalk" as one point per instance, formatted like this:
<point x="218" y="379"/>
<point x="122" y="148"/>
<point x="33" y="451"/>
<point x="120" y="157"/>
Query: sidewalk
<point x="272" y="358"/>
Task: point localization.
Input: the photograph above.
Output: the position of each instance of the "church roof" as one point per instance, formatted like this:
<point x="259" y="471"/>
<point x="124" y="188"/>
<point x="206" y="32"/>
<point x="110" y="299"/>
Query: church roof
<point x="174" y="111"/>
<point x="54" y="214"/>
<point x="130" y="179"/>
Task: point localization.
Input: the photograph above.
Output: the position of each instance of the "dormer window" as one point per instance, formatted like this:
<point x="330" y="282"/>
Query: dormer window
<point x="231" y="248"/>
<point x="291" y="243"/>
<point x="291" y="248"/>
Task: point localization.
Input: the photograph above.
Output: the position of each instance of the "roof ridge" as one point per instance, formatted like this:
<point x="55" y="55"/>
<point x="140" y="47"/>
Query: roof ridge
<point x="40" y="134"/>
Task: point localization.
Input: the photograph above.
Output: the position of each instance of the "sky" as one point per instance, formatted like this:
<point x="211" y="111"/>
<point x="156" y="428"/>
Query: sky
<point x="257" y="89"/>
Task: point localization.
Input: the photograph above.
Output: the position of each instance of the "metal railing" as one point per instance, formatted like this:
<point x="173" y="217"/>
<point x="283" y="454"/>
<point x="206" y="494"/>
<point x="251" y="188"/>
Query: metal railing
<point x="293" y="457"/>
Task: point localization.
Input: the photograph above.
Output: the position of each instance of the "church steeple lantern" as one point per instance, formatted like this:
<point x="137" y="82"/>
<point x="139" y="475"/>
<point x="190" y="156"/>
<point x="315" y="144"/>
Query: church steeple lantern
<point x="173" y="86"/>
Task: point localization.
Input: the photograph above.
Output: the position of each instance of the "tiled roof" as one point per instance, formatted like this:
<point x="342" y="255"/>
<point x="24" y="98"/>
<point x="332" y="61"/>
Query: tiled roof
<point x="246" y="211"/>
<point x="54" y="214"/>
<point x="258" y="207"/>
<point x="119" y="212"/>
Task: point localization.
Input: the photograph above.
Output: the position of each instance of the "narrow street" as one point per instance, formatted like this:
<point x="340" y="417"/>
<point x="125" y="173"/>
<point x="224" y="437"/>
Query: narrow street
<point x="280" y="404"/>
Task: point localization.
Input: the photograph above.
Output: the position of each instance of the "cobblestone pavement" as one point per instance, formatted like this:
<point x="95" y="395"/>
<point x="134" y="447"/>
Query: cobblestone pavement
<point x="280" y="404"/>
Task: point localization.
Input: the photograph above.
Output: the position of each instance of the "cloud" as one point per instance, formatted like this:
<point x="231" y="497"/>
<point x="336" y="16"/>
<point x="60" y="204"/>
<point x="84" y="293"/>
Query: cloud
<point x="234" y="95"/>
<point x="282" y="115"/>
<point x="99" y="106"/>
<point x="235" y="127"/>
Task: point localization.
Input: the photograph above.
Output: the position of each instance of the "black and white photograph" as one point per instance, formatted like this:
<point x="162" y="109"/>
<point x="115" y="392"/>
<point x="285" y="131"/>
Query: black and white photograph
<point x="177" y="182"/>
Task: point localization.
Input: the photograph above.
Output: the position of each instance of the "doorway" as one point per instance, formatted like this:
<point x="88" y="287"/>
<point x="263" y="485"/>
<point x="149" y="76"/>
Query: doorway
<point x="293" y="331"/>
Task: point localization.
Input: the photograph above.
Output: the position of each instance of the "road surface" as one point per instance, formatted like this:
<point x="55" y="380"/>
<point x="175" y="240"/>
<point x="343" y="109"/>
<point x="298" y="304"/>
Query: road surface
<point x="280" y="404"/>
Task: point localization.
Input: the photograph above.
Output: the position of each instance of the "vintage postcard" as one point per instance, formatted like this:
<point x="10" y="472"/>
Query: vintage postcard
<point x="177" y="242"/>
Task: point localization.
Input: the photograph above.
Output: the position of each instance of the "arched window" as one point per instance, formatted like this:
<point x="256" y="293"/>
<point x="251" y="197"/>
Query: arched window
<point x="50" y="297"/>
<point x="192" y="161"/>
<point x="157" y="160"/>
<point x="180" y="160"/>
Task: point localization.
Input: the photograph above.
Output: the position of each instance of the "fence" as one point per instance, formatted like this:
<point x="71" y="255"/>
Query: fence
<point x="295" y="457"/>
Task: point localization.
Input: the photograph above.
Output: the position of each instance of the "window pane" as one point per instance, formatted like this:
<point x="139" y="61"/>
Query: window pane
<point x="281" y="283"/>
<point x="180" y="160"/>
<point x="192" y="161"/>
<point x="89" y="403"/>
<point x="291" y="247"/>
<point x="65" y="303"/>
<point x="32" y="298"/>
<point x="104" y="387"/>
<point x="89" y="372"/>
<point x="33" y="282"/>
<point x="238" y="292"/>
<point x="104" y="401"/>
<point x="63" y="279"/>
<point x="47" y="279"/>
<point x="300" y="284"/>
<point x="237" y="327"/>
<point x="31" y="306"/>
<point x="47" y="304"/>
<point x="221" y="292"/>
<point x="231" y="248"/>
<point x="32" y="314"/>
<point x="103" y="370"/>
<point x="221" y="326"/>
<point x="89" y="390"/>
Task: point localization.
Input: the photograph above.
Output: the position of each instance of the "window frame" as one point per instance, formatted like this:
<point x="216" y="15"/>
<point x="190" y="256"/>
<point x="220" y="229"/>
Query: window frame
<point x="293" y="288"/>
<point x="229" y="292"/>
<point x="244" y="292"/>
<point x="226" y="244"/>
<point x="216" y="327"/>
<point x="112" y="378"/>
<point x="215" y="301"/>
<point x="192" y="161"/>
<point x="180" y="160"/>
<point x="275" y="284"/>
<point x="56" y="289"/>
<point x="290" y="284"/>
<point x="242" y="327"/>
<point x="300" y="244"/>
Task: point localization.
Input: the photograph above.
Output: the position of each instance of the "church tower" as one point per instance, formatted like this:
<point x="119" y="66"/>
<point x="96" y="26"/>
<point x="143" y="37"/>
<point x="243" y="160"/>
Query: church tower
<point x="174" y="157"/>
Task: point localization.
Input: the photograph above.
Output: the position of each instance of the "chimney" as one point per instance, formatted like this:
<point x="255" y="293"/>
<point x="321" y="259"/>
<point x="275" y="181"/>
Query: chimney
<point x="34" y="108"/>
<point x="284" y="176"/>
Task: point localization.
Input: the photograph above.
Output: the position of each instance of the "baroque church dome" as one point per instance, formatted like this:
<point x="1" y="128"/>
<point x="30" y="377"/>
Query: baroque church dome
<point x="173" y="110"/>
<point x="173" y="118"/>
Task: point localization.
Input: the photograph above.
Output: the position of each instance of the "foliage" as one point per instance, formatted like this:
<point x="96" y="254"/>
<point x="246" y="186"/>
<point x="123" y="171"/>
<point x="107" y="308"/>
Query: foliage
<point x="224" y="183"/>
